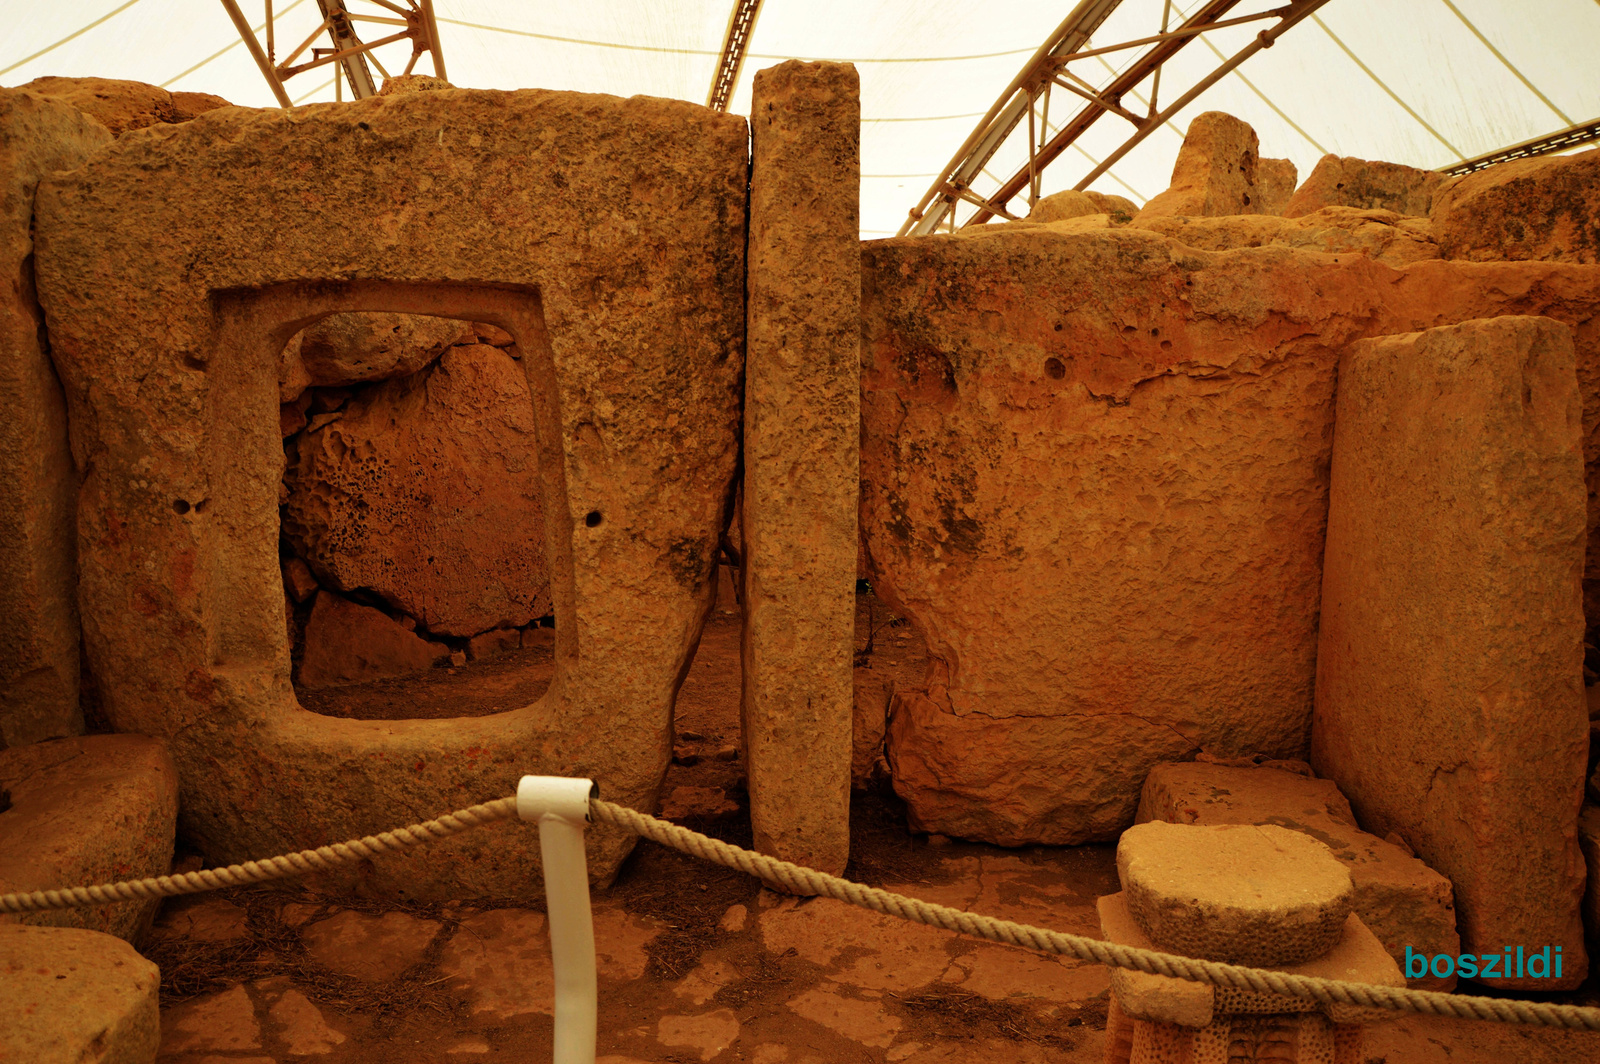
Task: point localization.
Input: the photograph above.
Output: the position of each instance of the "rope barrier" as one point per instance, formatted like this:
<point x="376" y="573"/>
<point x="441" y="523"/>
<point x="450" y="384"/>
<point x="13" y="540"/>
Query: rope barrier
<point x="801" y="880"/>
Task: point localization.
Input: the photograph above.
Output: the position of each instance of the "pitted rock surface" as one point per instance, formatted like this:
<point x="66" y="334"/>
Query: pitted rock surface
<point x="1215" y="173"/>
<point x="1261" y="896"/>
<point x="354" y="348"/>
<point x="1345" y="181"/>
<point x="427" y="493"/>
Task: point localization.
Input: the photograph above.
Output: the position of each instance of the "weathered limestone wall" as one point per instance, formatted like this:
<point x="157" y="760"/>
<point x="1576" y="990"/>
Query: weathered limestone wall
<point x="801" y="450"/>
<point x="1095" y="473"/>
<point x="176" y="266"/>
<point x="38" y="612"/>
<point x="1450" y="700"/>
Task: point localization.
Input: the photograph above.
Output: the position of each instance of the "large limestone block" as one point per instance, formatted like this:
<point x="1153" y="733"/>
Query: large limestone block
<point x="1345" y="181"/>
<point x="38" y="612"/>
<point x="1382" y="236"/>
<point x="86" y="810"/>
<point x="1094" y="476"/>
<point x="1275" y="181"/>
<point x="354" y="348"/>
<point x="1403" y="901"/>
<point x="1215" y="173"/>
<point x="1525" y="209"/>
<point x="1253" y="894"/>
<point x="1061" y="206"/>
<point x="1449" y="702"/>
<point x="802" y="434"/>
<point x="124" y="105"/>
<point x="426" y="491"/>
<point x="606" y="236"/>
<point x="76" y="997"/>
<point x="347" y="642"/>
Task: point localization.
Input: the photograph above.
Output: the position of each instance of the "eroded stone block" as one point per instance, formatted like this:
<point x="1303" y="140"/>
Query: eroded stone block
<point x="347" y="642"/>
<point x="426" y="490"/>
<point x="121" y="105"/>
<point x="1449" y="701"/>
<point x="1215" y="173"/>
<point x="38" y="609"/>
<point x="1403" y="901"/>
<point x="801" y="450"/>
<point x="1545" y="209"/>
<point x="73" y="996"/>
<point x="1345" y="181"/>
<point x="86" y="810"/>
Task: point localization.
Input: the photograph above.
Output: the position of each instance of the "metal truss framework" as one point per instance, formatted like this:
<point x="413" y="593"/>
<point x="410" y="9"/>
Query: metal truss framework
<point x="1028" y="99"/>
<point x="741" y="24"/>
<point x="1560" y="140"/>
<point x="412" y="20"/>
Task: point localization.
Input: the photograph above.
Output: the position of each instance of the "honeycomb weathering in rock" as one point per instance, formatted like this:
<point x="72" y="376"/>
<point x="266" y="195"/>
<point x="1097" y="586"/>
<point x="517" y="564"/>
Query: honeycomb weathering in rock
<point x="1263" y="896"/>
<point x="426" y="491"/>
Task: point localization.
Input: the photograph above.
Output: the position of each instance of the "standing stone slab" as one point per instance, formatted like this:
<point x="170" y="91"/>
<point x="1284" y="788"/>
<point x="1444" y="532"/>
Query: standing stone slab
<point x="177" y="264"/>
<point x="1449" y="700"/>
<point x="801" y="446"/>
<point x="38" y="615"/>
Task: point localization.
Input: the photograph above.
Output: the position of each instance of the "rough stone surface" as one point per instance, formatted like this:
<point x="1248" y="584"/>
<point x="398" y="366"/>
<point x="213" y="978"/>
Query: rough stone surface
<point x="346" y="349"/>
<point x="427" y="492"/>
<point x="1403" y="901"/>
<point x="1060" y="206"/>
<point x="347" y="642"/>
<point x="1357" y="957"/>
<point x="1275" y="181"/>
<point x="75" y="997"/>
<point x="1345" y="181"/>
<point x="801" y="451"/>
<point x="1379" y="235"/>
<point x="1237" y="893"/>
<point x="124" y="105"/>
<point x="1177" y="429"/>
<point x="85" y="810"/>
<point x="1545" y="209"/>
<point x="38" y="608"/>
<point x="1449" y="699"/>
<point x="871" y="721"/>
<point x="401" y="84"/>
<point x="628" y="310"/>
<point x="1215" y="173"/>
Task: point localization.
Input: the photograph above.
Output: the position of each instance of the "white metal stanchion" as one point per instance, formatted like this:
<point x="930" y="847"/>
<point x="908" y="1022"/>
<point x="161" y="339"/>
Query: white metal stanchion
<point x="561" y="808"/>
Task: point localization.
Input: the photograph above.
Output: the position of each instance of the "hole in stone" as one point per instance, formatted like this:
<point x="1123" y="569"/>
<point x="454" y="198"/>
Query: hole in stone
<point x="592" y="518"/>
<point x="1055" y="368"/>
<point x="412" y="522"/>
<point x="180" y="506"/>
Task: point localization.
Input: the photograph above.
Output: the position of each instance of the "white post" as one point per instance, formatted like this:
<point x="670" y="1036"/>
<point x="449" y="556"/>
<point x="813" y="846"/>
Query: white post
<point x="561" y="808"/>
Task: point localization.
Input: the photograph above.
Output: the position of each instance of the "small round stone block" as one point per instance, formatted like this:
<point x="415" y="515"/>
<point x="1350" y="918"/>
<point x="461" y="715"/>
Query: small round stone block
<point x="1257" y="895"/>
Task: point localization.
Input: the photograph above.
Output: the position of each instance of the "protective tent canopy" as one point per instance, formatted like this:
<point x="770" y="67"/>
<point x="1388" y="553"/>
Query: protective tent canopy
<point x="1422" y="82"/>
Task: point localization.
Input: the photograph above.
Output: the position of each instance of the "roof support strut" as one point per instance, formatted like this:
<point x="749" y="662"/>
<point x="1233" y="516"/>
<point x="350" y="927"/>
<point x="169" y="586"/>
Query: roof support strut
<point x="1048" y="70"/>
<point x="411" y="20"/>
<point x="741" y="24"/>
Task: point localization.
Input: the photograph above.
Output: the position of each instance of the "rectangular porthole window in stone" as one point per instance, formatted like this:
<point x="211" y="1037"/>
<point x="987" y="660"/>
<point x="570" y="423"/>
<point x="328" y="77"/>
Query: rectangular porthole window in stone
<point x="412" y="546"/>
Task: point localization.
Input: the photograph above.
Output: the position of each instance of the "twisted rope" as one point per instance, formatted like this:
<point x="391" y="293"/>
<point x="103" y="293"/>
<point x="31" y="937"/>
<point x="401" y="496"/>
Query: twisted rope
<point x="293" y="864"/>
<point x="801" y="880"/>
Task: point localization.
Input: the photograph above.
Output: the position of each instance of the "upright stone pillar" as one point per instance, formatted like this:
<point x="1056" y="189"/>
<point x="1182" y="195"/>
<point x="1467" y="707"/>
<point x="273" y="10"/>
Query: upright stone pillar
<point x="802" y="423"/>
<point x="1449" y="701"/>
<point x="38" y="491"/>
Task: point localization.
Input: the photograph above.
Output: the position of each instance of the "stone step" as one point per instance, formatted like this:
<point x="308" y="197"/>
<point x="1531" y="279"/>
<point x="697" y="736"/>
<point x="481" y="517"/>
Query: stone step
<point x="68" y="996"/>
<point x="1402" y="900"/>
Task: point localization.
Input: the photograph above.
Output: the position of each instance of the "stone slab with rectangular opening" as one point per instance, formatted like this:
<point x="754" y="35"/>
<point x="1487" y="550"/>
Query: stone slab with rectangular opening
<point x="605" y="235"/>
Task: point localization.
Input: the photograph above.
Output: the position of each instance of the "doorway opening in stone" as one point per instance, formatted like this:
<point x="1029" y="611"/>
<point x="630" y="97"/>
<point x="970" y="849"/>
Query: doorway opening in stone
<point x="416" y="583"/>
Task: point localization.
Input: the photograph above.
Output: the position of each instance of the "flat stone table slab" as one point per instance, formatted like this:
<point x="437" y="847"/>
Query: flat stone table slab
<point x="70" y="996"/>
<point x="1241" y="894"/>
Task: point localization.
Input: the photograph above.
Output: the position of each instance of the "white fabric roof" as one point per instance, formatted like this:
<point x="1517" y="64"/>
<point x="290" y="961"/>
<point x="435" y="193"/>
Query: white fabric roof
<point x="1432" y="91"/>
